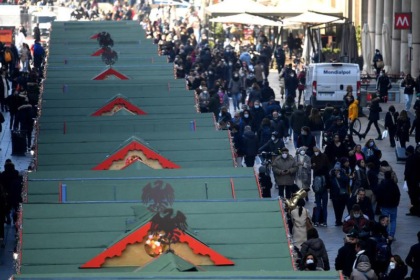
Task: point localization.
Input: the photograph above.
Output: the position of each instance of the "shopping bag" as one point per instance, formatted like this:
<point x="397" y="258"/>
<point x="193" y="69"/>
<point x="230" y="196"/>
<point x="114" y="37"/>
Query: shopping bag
<point x="405" y="187"/>
<point x="385" y="134"/>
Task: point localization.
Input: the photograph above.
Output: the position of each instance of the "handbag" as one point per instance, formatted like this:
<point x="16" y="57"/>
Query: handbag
<point x="308" y="222"/>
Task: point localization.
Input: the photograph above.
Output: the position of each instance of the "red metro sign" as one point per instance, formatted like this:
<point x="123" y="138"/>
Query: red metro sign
<point x="402" y="21"/>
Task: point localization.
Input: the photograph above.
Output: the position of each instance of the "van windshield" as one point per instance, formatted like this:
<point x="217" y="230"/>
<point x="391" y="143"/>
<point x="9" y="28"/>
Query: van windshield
<point x="45" y="19"/>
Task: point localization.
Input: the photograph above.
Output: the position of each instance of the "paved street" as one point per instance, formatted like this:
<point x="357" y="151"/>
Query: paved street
<point x="21" y="163"/>
<point x="407" y="226"/>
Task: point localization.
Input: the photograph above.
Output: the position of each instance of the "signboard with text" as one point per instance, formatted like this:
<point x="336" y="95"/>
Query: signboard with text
<point x="402" y="21"/>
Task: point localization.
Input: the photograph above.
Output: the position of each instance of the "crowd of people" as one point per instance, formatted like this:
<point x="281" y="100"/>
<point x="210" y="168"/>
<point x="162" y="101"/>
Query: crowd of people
<point x="328" y="159"/>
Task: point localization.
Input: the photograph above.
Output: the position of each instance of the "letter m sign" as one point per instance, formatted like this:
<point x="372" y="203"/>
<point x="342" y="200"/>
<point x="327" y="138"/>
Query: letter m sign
<point x="402" y="21"/>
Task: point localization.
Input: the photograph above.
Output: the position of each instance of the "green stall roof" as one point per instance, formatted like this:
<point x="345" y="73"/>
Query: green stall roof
<point x="62" y="237"/>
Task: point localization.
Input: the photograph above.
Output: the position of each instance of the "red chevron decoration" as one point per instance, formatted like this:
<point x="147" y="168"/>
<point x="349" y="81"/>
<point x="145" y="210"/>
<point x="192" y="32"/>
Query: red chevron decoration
<point x="117" y="104"/>
<point x="110" y="72"/>
<point x="138" y="235"/>
<point x="135" y="145"/>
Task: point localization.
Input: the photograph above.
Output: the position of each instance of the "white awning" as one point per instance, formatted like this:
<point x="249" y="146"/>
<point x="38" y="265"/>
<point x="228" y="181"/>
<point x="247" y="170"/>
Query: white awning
<point x="246" y="19"/>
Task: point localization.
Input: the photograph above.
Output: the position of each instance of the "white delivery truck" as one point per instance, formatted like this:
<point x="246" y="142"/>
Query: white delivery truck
<point x="327" y="83"/>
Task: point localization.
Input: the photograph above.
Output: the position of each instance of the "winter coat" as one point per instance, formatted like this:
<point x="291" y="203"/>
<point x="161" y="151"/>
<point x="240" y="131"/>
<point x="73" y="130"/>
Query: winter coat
<point x="307" y="141"/>
<point x="316" y="126"/>
<point x="298" y="120"/>
<point x="345" y="259"/>
<point x="250" y="143"/>
<point x="352" y="223"/>
<point x="280" y="164"/>
<point x="257" y="117"/>
<point x="388" y="194"/>
<point x="272" y="147"/>
<point x="235" y="85"/>
<point x="25" y="117"/>
<point x="383" y="84"/>
<point x="365" y="206"/>
<point x="381" y="174"/>
<point x="403" y="129"/>
<point x="335" y="153"/>
<point x="363" y="271"/>
<point x="320" y="165"/>
<point x="316" y="247"/>
<point x="391" y="121"/>
<point x="303" y="173"/>
<point x="374" y="109"/>
<point x="299" y="225"/>
<point x="339" y="183"/>
<point x="354" y="110"/>
<point x="408" y="84"/>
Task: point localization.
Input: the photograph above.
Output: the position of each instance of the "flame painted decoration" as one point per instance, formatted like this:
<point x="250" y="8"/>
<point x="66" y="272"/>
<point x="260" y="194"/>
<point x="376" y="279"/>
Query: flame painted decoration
<point x="167" y="224"/>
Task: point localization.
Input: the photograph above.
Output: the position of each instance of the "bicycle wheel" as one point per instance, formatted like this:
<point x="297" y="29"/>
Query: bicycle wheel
<point x="357" y="125"/>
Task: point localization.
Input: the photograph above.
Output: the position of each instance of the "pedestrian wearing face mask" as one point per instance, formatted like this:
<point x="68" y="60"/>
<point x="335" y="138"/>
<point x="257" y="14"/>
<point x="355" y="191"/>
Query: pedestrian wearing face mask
<point x="258" y="114"/>
<point x="284" y="169"/>
<point x="314" y="246"/>
<point x="306" y="140"/>
<point x="356" y="220"/>
<point x="303" y="173"/>
<point x="309" y="263"/>
<point x="274" y="145"/>
<point x="397" y="269"/>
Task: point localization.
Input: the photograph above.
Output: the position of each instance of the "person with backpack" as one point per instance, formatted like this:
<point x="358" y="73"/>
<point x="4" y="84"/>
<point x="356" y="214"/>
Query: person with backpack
<point x="320" y="166"/>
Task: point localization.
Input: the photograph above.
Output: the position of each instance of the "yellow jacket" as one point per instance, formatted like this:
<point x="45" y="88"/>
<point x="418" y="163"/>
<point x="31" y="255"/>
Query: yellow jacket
<point x="354" y="110"/>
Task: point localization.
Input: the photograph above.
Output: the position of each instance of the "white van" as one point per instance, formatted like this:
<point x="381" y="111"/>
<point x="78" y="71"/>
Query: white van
<point x="327" y="83"/>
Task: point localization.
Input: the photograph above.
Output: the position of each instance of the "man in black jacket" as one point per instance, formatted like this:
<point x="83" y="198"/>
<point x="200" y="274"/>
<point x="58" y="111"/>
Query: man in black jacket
<point x="413" y="259"/>
<point x="391" y="124"/>
<point x="412" y="178"/>
<point x="250" y="145"/>
<point x="347" y="254"/>
<point x="388" y="197"/>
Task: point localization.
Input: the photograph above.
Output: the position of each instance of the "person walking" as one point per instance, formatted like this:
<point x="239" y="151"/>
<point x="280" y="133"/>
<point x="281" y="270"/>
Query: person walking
<point x="339" y="192"/>
<point x="284" y="169"/>
<point x="316" y="124"/>
<point x="403" y="128"/>
<point x="408" y="84"/>
<point x="388" y="198"/>
<point x="299" y="216"/>
<point x="391" y="124"/>
<point x="374" y="111"/>
<point x="353" y="114"/>
<point x="303" y="173"/>
<point x="297" y="121"/>
<point x="413" y="259"/>
<point x="320" y="166"/>
<point x="250" y="146"/>
<point x="383" y="84"/>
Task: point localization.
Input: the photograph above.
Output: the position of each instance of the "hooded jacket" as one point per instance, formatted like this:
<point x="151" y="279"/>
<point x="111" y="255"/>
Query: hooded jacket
<point x="363" y="270"/>
<point x="316" y="247"/>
